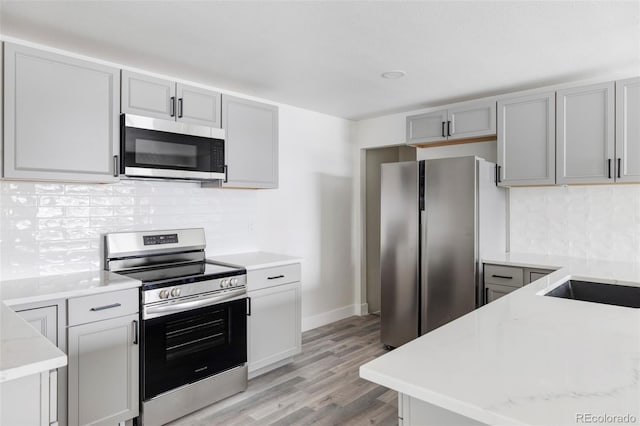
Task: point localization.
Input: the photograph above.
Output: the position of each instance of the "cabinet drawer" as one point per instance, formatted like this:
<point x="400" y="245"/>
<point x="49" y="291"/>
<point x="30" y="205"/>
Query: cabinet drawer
<point x="269" y="277"/>
<point x="102" y="306"/>
<point x="503" y="275"/>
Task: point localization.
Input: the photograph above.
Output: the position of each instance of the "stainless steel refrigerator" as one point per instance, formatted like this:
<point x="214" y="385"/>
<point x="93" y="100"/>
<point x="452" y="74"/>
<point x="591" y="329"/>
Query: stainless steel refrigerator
<point x="437" y="219"/>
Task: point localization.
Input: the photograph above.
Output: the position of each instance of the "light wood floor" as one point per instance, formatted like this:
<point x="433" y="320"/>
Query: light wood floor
<point x="321" y="386"/>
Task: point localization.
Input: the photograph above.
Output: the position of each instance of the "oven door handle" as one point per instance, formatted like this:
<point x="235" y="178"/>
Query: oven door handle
<point x="157" y="311"/>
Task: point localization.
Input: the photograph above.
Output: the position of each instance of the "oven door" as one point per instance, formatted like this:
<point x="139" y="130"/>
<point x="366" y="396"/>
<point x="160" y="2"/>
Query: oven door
<point x="163" y="149"/>
<point x="185" y="347"/>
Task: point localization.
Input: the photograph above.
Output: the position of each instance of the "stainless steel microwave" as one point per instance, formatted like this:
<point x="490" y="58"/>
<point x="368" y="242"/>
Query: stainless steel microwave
<point x="163" y="149"/>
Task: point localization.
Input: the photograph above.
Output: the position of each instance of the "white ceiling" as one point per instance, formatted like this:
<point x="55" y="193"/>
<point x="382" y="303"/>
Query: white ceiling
<point x="328" y="56"/>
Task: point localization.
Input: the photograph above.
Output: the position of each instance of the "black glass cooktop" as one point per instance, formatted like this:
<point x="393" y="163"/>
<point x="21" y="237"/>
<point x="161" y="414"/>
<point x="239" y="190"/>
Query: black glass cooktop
<point x="182" y="274"/>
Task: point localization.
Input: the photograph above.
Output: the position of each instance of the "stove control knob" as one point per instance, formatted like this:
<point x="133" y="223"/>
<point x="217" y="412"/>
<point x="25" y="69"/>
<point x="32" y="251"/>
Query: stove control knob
<point x="164" y="294"/>
<point x="223" y="283"/>
<point x="175" y="292"/>
<point x="234" y="281"/>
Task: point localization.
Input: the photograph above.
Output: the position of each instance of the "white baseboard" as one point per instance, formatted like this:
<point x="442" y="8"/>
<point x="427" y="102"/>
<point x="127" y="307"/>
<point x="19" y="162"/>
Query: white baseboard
<point x="364" y="309"/>
<point x="325" y="318"/>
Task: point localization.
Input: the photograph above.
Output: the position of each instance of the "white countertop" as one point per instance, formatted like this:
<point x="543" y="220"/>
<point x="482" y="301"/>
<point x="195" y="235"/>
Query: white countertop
<point x="255" y="260"/>
<point x="23" y="350"/>
<point x="41" y="289"/>
<point x="527" y="358"/>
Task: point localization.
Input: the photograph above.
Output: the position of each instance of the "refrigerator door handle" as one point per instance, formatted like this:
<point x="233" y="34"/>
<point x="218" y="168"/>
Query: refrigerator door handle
<point x="423" y="278"/>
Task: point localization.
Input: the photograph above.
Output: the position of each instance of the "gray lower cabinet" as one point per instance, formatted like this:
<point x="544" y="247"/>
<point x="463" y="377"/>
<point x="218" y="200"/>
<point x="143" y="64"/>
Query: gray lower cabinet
<point x="251" y="148"/>
<point x="103" y="354"/>
<point x="60" y="117"/>
<point x="159" y="98"/>
<point x="275" y="305"/>
<point x="500" y="280"/>
<point x="49" y="319"/>
<point x="628" y="130"/>
<point x="494" y="292"/>
<point x="29" y="400"/>
<point x="527" y="140"/>
<point x="415" y="412"/>
<point x="585" y="134"/>
<point x="469" y="120"/>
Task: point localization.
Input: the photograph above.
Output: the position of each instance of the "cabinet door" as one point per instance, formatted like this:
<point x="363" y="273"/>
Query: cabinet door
<point x="103" y="371"/>
<point x="527" y="140"/>
<point x="45" y="320"/>
<point x="274" y="325"/>
<point x="251" y="148"/>
<point x="427" y="128"/>
<point x="148" y="96"/>
<point x="61" y="117"/>
<point x="494" y="292"/>
<point x="585" y="134"/>
<point x="198" y="106"/>
<point x="472" y="121"/>
<point x="628" y="130"/>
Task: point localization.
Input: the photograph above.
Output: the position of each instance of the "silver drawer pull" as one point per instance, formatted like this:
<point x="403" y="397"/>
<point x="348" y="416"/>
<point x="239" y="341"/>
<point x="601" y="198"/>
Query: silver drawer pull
<point x="502" y="276"/>
<point x="102" y="308"/>
<point x="275" y="277"/>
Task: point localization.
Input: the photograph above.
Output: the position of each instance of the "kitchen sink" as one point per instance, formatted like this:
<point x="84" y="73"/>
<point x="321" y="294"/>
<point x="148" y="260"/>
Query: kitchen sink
<point x="609" y="294"/>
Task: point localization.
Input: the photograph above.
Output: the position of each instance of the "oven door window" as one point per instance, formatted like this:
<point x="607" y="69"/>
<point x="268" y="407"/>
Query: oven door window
<point x="152" y="149"/>
<point x="185" y="347"/>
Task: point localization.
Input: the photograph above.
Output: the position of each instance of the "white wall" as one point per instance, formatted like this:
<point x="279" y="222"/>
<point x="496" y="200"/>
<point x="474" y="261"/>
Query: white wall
<point x="51" y="228"/>
<point x="599" y="221"/>
<point x="310" y="214"/>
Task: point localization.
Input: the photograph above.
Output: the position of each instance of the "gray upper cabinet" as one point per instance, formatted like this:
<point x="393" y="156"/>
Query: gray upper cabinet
<point x="60" y="117"/>
<point x="470" y="120"/>
<point x="527" y="140"/>
<point x="251" y="148"/>
<point x="148" y="96"/>
<point x="155" y="97"/>
<point x="585" y="134"/>
<point x="427" y="128"/>
<point x="628" y="130"/>
<point x="198" y="106"/>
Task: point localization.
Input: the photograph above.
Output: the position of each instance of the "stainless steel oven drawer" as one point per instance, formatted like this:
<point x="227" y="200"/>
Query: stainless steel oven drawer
<point x="97" y="307"/>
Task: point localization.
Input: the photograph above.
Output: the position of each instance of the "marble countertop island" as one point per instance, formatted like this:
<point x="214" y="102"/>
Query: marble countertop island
<point x="527" y="358"/>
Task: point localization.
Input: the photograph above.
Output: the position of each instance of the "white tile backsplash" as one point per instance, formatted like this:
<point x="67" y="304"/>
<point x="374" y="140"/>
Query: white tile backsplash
<point x="600" y="222"/>
<point x="51" y="228"/>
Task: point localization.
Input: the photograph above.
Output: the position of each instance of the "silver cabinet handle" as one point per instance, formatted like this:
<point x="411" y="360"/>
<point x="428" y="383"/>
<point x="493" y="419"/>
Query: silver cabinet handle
<point x="116" y="166"/>
<point x="179" y="107"/>
<point x="619" y="167"/>
<point x="135" y="332"/>
<point x="275" y="277"/>
<point x="448" y="128"/>
<point x="102" y="308"/>
<point x="609" y="167"/>
<point x="172" y="106"/>
<point x="443" y="134"/>
<point x="502" y="276"/>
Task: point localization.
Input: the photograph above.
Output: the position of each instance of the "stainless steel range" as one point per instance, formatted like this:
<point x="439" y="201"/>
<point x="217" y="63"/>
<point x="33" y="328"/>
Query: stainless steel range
<point x="194" y="321"/>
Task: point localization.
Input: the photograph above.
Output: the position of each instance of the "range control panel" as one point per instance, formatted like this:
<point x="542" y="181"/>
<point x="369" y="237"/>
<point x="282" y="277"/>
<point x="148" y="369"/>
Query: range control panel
<point x="153" y="240"/>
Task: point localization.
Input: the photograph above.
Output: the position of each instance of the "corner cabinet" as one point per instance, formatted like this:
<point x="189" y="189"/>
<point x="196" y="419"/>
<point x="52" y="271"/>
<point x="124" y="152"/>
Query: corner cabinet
<point x="60" y="117"/>
<point x="466" y="121"/>
<point x="527" y="140"/>
<point x="500" y="280"/>
<point x="251" y="148"/>
<point x="585" y="134"/>
<point x="155" y="97"/>
<point x="628" y="130"/>
<point x="103" y="358"/>
<point x="274" y="323"/>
